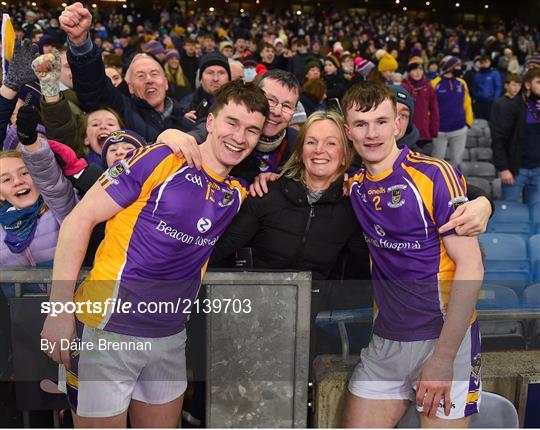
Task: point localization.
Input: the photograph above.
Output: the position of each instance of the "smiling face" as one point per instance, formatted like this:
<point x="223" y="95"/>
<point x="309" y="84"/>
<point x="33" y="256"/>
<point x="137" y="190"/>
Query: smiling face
<point x="268" y="55"/>
<point x="373" y="133"/>
<point x="147" y="81"/>
<point x="322" y="154"/>
<point x="282" y="102"/>
<point x="100" y="124"/>
<point x="233" y="134"/>
<point x="16" y="184"/>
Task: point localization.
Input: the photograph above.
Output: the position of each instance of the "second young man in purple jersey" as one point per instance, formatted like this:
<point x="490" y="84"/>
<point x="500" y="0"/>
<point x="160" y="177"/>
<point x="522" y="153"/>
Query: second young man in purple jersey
<point x="425" y="347"/>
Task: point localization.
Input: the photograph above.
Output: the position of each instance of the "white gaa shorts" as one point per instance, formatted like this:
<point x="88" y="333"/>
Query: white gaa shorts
<point x="103" y="380"/>
<point x="389" y="369"/>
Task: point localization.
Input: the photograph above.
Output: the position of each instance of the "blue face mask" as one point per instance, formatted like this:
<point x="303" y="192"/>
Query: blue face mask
<point x="249" y="74"/>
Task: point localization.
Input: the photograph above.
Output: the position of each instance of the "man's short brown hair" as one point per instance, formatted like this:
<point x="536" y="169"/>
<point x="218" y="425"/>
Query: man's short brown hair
<point x="367" y="95"/>
<point x="532" y="74"/>
<point x="266" y="45"/>
<point x="250" y="95"/>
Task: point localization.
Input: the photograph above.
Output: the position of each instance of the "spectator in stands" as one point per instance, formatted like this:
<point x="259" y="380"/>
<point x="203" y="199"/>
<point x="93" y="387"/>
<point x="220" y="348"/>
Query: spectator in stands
<point x="432" y="70"/>
<point x="387" y="65"/>
<point x="178" y="84"/>
<point x="426" y="106"/>
<point x="214" y="72"/>
<point x="512" y="85"/>
<point x="313" y="70"/>
<point x="277" y="140"/>
<point x="30" y="26"/>
<point x="532" y="62"/>
<point x="455" y="110"/>
<point x="487" y="87"/>
<point x="226" y="48"/>
<point x="35" y="196"/>
<point x="237" y="69"/>
<point x="312" y="95"/>
<point x="336" y="84"/>
<point x="189" y="61"/>
<point x="268" y="56"/>
<point x="148" y="111"/>
<point x="515" y="132"/>
<point x="297" y="63"/>
<point x="347" y="66"/>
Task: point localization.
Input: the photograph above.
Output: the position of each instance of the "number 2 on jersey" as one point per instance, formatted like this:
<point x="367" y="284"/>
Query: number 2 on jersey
<point x="377" y="203"/>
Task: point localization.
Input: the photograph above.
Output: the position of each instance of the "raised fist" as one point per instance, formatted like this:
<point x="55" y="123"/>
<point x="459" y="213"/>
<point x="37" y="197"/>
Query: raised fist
<point x="76" y="20"/>
<point x="47" y="69"/>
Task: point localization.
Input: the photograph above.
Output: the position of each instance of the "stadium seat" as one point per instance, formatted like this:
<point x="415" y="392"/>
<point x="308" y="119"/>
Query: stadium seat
<point x="522" y="229"/>
<point x="471" y="142"/>
<point x="535" y="215"/>
<point x="484" y="141"/>
<point x="502" y="246"/>
<point x="482" y="169"/>
<point x="534" y="248"/>
<point x="480" y="123"/>
<point x="531" y="296"/>
<point x="495" y="412"/>
<point x="493" y="296"/>
<point x="500" y="334"/>
<point x="481" y="154"/>
<point x="511" y="213"/>
<point x="475" y="132"/>
<point x="482" y="183"/>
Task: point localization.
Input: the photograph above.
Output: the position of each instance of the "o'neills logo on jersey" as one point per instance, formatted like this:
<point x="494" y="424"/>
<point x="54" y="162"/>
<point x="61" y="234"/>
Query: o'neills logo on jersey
<point x="380" y="190"/>
<point x="185" y="238"/>
<point x="387" y="244"/>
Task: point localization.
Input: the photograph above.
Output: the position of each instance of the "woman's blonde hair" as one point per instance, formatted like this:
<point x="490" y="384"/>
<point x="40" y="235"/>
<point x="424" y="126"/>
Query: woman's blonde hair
<point x="294" y="168"/>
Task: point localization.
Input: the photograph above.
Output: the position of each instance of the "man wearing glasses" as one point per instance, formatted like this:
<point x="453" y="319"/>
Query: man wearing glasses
<point x="275" y="145"/>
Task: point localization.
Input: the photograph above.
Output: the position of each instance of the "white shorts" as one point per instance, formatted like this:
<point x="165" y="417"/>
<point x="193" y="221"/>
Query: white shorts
<point x="103" y="380"/>
<point x="390" y="369"/>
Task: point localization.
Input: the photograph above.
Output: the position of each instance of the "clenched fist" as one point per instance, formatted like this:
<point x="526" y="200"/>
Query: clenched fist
<point x="76" y="20"/>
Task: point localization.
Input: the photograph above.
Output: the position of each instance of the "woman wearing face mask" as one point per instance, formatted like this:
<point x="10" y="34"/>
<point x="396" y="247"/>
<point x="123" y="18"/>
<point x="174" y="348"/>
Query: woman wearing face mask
<point x="455" y="110"/>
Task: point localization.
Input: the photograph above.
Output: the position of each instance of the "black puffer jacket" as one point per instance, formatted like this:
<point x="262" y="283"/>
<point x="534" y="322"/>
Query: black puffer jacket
<point x="286" y="232"/>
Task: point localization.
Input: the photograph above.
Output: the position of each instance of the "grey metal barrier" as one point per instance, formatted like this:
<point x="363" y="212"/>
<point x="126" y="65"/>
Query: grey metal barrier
<point x="257" y="342"/>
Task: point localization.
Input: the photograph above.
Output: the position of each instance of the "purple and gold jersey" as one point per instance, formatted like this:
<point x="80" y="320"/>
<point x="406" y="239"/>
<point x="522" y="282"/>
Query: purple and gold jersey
<point x="400" y="212"/>
<point x="156" y="249"/>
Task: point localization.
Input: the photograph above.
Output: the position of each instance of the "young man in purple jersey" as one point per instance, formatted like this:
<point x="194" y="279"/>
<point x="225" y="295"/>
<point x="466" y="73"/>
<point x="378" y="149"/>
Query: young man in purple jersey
<point x="164" y="218"/>
<point x="425" y="347"/>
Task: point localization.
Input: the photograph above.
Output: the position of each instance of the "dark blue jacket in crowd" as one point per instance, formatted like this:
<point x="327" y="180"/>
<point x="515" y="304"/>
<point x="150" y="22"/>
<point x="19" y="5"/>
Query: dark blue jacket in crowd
<point x="95" y="90"/>
<point x="487" y="85"/>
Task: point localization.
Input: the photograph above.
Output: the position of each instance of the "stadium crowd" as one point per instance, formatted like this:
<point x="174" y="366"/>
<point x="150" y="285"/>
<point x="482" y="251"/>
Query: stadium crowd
<point x="91" y="97"/>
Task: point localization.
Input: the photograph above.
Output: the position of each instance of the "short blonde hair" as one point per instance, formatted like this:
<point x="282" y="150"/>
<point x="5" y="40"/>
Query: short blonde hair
<point x="12" y="153"/>
<point x="294" y="168"/>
